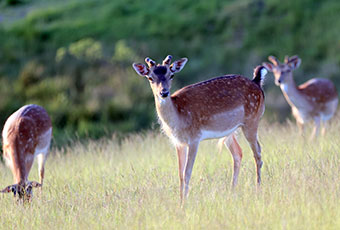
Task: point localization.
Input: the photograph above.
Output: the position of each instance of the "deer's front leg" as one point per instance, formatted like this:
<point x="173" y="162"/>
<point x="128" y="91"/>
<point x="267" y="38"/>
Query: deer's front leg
<point x="324" y="126"/>
<point x="316" y="128"/>
<point x="192" y="151"/>
<point x="181" y="153"/>
<point x="301" y="127"/>
<point x="299" y="121"/>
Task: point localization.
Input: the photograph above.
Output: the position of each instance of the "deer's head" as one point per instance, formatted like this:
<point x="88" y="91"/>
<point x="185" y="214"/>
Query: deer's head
<point x="282" y="71"/>
<point x="22" y="190"/>
<point x="160" y="76"/>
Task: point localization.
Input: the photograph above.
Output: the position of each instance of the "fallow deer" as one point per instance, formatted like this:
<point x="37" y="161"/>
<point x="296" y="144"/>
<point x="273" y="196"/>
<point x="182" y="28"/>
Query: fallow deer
<point x="27" y="134"/>
<point x="316" y="99"/>
<point x="210" y="109"/>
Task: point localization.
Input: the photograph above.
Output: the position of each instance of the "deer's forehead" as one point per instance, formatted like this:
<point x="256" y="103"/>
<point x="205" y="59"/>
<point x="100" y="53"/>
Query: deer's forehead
<point x="160" y="72"/>
<point x="282" y="67"/>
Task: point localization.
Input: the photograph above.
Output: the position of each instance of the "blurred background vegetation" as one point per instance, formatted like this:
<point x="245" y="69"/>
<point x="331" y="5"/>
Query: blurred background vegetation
<point x="74" y="56"/>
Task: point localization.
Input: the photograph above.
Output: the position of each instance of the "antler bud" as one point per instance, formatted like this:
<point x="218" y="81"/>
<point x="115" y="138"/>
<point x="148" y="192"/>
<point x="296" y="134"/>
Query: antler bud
<point x="286" y="59"/>
<point x="273" y="60"/>
<point x="150" y="62"/>
<point x="167" y="60"/>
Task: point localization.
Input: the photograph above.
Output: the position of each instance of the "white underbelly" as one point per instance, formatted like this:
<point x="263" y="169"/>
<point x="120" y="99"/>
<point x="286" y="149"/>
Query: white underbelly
<point x="213" y="134"/>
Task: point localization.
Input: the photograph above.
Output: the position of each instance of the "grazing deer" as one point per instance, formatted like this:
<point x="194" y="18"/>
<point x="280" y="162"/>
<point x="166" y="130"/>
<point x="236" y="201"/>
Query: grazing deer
<point x="316" y="99"/>
<point x="26" y="134"/>
<point x="210" y="109"/>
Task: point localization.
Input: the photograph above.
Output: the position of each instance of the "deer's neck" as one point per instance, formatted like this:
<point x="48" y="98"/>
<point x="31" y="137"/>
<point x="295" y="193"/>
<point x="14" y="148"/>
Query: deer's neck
<point x="167" y="113"/>
<point x="292" y="93"/>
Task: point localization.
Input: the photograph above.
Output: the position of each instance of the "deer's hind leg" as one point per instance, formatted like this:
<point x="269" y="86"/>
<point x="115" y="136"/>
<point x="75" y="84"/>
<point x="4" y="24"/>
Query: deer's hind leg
<point x="236" y="152"/>
<point x="42" y="154"/>
<point x="41" y="166"/>
<point x="250" y="132"/>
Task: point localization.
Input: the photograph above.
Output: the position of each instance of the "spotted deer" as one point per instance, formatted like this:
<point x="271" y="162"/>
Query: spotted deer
<point x="210" y="109"/>
<point x="316" y="99"/>
<point x="26" y="135"/>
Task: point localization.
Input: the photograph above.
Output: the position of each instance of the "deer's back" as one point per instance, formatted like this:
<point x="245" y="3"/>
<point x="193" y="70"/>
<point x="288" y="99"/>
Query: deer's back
<point x="218" y="95"/>
<point x="24" y="127"/>
<point x="319" y="91"/>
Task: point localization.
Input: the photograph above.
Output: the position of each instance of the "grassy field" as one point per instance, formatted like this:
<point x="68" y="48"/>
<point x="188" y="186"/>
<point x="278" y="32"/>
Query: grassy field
<point x="134" y="185"/>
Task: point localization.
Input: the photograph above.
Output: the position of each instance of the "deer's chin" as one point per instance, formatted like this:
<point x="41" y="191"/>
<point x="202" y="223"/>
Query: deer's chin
<point x="161" y="100"/>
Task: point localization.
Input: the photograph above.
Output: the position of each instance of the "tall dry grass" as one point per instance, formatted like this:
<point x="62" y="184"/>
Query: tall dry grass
<point x="134" y="185"/>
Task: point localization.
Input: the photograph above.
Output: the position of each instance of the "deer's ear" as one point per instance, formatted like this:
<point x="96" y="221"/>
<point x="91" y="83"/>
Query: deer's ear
<point x="141" y="69"/>
<point x="294" y="62"/>
<point x="8" y="189"/>
<point x="178" y="65"/>
<point x="268" y="66"/>
<point x="35" y="184"/>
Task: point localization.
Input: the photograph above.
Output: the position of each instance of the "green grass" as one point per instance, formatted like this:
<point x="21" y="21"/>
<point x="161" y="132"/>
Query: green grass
<point x="134" y="185"/>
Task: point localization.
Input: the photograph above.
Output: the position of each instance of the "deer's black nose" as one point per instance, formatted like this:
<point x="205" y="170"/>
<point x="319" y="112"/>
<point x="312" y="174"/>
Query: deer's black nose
<point x="164" y="94"/>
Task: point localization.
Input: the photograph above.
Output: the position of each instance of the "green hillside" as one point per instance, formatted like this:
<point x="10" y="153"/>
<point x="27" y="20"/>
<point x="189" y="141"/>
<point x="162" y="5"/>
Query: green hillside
<point x="74" y="57"/>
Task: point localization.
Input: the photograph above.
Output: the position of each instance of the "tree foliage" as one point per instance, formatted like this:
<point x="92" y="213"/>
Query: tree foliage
<point x="74" y="57"/>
